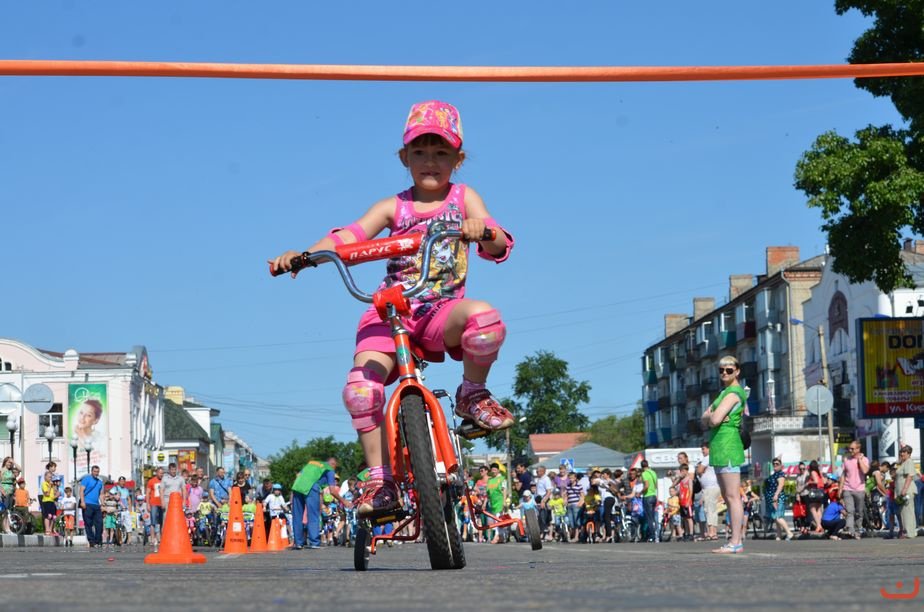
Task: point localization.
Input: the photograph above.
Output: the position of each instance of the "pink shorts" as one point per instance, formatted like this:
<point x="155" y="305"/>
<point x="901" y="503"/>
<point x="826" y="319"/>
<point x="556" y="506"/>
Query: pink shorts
<point x="425" y="326"/>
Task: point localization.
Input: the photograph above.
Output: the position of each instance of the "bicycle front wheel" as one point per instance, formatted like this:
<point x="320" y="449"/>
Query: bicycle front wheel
<point x="416" y="432"/>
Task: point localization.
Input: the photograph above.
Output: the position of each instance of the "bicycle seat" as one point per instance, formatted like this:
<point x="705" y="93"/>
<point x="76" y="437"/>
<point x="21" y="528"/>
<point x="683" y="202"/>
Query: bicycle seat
<point x="428" y="356"/>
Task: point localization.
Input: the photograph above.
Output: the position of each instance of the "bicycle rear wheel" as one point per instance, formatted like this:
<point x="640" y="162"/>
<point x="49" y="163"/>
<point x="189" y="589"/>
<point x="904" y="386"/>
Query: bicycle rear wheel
<point x="17" y="522"/>
<point x="416" y="433"/>
<point x="532" y="529"/>
<point x="452" y="529"/>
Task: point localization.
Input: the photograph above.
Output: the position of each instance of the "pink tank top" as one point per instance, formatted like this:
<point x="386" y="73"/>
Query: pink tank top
<point x="449" y="261"/>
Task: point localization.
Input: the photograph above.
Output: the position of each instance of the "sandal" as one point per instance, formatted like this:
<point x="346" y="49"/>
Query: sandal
<point x="729" y="549"/>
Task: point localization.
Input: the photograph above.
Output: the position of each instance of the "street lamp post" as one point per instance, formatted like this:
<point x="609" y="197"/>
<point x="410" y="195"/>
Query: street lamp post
<point x="50" y="436"/>
<point x="825" y="380"/>
<point x="74" y="456"/>
<point x="88" y="446"/>
<point x="12" y="424"/>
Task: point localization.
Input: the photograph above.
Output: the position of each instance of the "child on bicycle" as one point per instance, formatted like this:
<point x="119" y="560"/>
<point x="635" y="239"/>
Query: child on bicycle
<point x="442" y="320"/>
<point x="556" y="506"/>
<point x="589" y="526"/>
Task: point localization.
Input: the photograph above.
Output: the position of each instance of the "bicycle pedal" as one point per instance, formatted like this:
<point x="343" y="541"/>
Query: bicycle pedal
<point x="383" y="517"/>
<point x="470" y="431"/>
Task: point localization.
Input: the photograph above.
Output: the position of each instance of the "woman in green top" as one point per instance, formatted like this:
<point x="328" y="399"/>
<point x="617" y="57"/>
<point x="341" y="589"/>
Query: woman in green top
<point x="726" y="451"/>
<point x="7" y="484"/>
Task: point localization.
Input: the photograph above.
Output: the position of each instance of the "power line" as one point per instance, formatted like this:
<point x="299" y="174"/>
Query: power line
<point x="345" y="339"/>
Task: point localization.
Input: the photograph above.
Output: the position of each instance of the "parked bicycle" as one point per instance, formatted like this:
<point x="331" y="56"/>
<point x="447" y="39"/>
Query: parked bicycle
<point x="19" y="522"/>
<point x="424" y="454"/>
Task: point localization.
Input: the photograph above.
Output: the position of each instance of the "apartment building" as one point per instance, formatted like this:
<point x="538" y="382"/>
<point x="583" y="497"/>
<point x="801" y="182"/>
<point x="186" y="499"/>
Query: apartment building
<point x="680" y="371"/>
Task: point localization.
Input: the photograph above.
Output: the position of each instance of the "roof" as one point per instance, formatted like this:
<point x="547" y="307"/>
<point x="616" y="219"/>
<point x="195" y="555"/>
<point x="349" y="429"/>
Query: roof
<point x="553" y="443"/>
<point x="588" y="455"/>
<point x="93" y="360"/>
<point x="178" y="425"/>
<point x="914" y="264"/>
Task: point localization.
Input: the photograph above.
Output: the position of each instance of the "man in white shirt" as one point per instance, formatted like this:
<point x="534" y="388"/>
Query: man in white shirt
<point x="171" y="482"/>
<point x="543" y="492"/>
<point x="711" y="493"/>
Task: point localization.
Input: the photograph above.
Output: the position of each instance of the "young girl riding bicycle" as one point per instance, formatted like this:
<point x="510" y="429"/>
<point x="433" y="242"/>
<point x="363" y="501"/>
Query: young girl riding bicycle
<point x="442" y="320"/>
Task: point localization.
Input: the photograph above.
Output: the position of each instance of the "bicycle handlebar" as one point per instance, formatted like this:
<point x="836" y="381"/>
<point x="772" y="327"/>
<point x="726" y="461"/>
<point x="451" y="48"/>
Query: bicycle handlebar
<point x="382" y="248"/>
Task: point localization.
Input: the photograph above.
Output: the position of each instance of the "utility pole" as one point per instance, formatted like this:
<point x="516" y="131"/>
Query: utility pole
<point x="827" y="383"/>
<point x="509" y="474"/>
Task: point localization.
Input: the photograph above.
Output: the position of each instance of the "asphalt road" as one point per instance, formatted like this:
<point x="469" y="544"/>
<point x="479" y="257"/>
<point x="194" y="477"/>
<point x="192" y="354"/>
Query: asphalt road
<point x="816" y="575"/>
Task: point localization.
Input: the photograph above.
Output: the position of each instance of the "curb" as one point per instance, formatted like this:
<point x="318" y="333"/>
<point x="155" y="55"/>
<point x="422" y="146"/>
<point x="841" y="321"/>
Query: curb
<point x="19" y="541"/>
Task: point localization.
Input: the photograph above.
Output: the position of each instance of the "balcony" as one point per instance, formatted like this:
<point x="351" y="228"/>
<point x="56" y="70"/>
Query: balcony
<point x="680" y="398"/>
<point x="664" y="401"/>
<point x="711" y="385"/>
<point x="710" y="349"/>
<point x="746" y="331"/>
<point x="651" y="406"/>
<point x="693" y="391"/>
<point x="694" y="427"/>
<point x="666" y="435"/>
<point x="728" y="339"/>
<point x="651" y="439"/>
<point x="678" y="430"/>
<point x="769" y="361"/>
<point x="650" y="377"/>
<point x="749" y="370"/>
<point x="680" y="362"/>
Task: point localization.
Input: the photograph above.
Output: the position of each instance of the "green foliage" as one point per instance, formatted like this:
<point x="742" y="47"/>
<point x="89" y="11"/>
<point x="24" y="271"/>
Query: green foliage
<point x="625" y="434"/>
<point x="548" y="397"/>
<point x="286" y="464"/>
<point x="868" y="193"/>
<point x="871" y="190"/>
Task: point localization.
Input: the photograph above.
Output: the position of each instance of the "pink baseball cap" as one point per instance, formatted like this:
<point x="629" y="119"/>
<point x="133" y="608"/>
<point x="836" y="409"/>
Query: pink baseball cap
<point x="434" y="117"/>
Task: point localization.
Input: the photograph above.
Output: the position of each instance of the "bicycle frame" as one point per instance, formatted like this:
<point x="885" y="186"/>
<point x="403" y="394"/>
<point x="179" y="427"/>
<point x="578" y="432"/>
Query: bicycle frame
<point x="494" y="521"/>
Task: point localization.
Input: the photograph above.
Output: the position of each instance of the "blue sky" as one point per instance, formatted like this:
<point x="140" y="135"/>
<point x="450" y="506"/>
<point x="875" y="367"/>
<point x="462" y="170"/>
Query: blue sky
<point x="141" y="211"/>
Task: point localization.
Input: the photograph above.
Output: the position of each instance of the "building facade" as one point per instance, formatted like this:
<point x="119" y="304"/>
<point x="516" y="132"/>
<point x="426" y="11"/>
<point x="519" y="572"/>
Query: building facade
<point x="105" y="410"/>
<point x="680" y="372"/>
<point x="834" y="306"/>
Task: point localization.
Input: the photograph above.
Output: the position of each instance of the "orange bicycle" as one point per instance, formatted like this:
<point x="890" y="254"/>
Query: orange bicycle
<point x="424" y="454"/>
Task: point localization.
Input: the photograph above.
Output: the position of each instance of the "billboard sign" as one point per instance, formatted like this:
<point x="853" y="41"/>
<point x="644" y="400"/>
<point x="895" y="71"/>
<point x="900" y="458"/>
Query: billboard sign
<point x="891" y="372"/>
<point x="87" y="421"/>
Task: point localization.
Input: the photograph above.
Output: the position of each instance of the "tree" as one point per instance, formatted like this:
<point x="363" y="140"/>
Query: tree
<point x="548" y="397"/>
<point x="625" y="434"/>
<point x="871" y="189"/>
<point x="286" y="464"/>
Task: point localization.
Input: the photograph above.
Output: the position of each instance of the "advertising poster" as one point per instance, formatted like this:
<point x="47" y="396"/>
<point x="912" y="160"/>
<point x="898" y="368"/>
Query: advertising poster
<point x="891" y="373"/>
<point x="87" y="419"/>
<point x="186" y="460"/>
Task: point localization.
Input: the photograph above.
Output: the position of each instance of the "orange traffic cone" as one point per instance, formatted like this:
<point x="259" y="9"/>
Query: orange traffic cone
<point x="236" y="534"/>
<point x="258" y="537"/>
<point x="175" y="547"/>
<point x="276" y="542"/>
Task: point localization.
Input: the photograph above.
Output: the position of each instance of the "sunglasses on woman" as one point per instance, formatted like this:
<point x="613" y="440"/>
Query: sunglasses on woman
<point x="728" y="370"/>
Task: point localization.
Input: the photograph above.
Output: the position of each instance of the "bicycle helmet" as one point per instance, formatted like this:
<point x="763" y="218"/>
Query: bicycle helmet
<point x="277" y="486"/>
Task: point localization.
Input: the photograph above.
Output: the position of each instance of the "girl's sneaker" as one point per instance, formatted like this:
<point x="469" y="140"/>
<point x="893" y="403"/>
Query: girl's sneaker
<point x="378" y="496"/>
<point x="729" y="549"/>
<point x="481" y="408"/>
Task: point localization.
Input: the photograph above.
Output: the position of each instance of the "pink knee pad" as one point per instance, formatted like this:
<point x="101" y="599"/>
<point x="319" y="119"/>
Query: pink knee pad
<point x="483" y="336"/>
<point x="364" y="397"/>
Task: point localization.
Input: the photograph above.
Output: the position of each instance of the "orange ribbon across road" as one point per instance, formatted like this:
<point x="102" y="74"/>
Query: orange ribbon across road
<point x="560" y="74"/>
